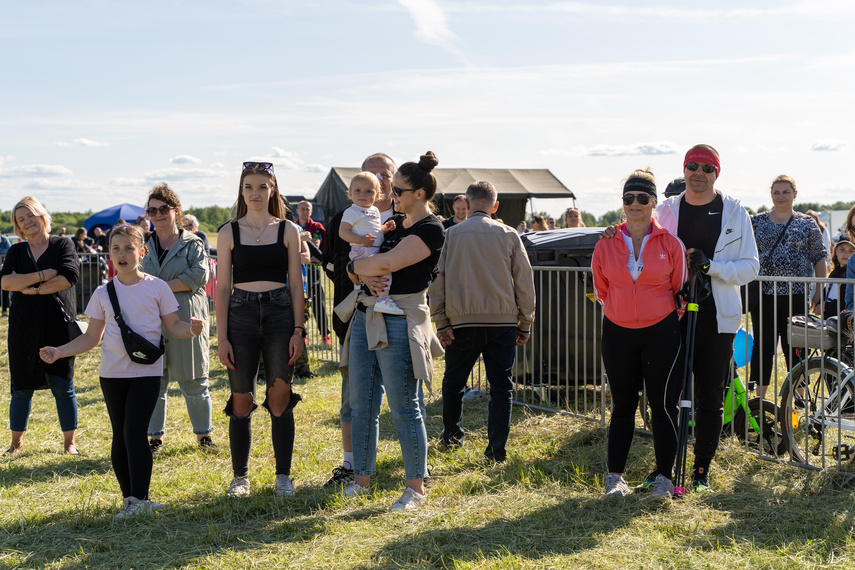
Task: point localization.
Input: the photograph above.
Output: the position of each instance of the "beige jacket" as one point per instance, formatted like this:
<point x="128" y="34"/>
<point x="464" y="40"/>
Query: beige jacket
<point x="424" y="346"/>
<point x="485" y="278"/>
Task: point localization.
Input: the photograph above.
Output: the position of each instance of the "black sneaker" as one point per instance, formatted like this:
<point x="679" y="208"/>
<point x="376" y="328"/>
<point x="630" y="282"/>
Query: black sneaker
<point x="207" y="445"/>
<point x="340" y="476"/>
<point x="450" y="442"/>
<point x="647" y="485"/>
<point x="496" y="455"/>
<point x="700" y="481"/>
<point x="156" y="445"/>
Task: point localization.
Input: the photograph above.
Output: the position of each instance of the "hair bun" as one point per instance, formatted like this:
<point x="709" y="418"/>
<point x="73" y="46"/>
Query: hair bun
<point x="428" y="161"/>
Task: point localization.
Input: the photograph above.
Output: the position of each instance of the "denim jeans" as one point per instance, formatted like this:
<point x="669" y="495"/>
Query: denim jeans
<point x="66" y="404"/>
<point x="198" y="401"/>
<point x="370" y="372"/>
<point x="497" y="345"/>
<point x="260" y="324"/>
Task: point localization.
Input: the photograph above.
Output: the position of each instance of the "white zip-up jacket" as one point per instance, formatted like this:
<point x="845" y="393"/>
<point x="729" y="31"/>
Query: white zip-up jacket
<point x="734" y="262"/>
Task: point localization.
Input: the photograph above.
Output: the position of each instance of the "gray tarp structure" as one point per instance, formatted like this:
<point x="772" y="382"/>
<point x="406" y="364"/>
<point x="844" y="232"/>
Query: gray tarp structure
<point x="515" y="187"/>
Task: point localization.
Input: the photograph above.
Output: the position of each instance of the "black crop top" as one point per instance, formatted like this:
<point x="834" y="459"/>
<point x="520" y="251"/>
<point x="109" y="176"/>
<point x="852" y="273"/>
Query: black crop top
<point x="259" y="262"/>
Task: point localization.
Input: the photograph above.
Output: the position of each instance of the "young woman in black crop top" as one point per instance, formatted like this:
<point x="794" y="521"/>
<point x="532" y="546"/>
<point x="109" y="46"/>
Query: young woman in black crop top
<point x="258" y="253"/>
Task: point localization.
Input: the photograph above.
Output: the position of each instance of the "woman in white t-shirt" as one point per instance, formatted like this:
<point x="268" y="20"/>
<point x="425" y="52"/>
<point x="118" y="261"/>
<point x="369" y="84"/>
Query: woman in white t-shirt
<point x="130" y="389"/>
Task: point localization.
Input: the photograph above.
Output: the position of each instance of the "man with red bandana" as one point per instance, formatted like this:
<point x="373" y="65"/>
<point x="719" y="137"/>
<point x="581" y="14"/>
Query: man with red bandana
<point x="719" y="240"/>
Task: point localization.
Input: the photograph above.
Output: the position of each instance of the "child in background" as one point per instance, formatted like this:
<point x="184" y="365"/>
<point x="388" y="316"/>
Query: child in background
<point x="840" y="255"/>
<point x="130" y="389"/>
<point x="357" y="224"/>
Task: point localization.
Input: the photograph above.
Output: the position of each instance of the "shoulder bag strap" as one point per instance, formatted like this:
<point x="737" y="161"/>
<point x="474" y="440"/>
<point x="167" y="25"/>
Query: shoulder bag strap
<point x="783" y="233"/>
<point x="114" y="300"/>
<point x="66" y="317"/>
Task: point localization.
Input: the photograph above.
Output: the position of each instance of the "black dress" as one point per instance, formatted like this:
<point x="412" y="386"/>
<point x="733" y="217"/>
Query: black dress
<point x="37" y="320"/>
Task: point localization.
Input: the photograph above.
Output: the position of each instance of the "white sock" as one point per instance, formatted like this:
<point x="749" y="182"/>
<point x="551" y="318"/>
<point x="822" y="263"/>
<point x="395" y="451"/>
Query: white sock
<point x="348" y="460"/>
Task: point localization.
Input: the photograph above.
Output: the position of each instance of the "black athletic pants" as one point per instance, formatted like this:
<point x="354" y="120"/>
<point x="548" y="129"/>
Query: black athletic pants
<point x="650" y="357"/>
<point x="130" y="403"/>
<point x="710" y="365"/>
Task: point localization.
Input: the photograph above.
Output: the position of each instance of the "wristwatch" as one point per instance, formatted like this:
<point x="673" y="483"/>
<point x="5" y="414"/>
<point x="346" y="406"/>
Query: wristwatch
<point x="350" y="267"/>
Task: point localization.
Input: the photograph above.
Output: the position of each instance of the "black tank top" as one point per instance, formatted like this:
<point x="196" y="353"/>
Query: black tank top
<point x="259" y="262"/>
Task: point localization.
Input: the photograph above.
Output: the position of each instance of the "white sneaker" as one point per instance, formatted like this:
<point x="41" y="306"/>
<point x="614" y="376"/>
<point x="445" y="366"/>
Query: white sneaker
<point x="239" y="487"/>
<point x="354" y="489"/>
<point x="616" y="486"/>
<point x="283" y="487"/>
<point x="134" y="507"/>
<point x="409" y="500"/>
<point x="662" y="487"/>
<point x="387" y="306"/>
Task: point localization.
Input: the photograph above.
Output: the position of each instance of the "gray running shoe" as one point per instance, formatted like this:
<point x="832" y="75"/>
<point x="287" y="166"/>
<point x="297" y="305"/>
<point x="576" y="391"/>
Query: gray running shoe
<point x="662" y="487"/>
<point x="616" y="486"/>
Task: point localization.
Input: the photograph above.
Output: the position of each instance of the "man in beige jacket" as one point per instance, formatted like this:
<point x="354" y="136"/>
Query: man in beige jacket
<point x="482" y="302"/>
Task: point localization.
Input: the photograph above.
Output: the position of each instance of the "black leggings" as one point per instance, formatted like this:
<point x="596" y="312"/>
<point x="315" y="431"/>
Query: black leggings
<point x="711" y="368"/>
<point x="130" y="403"/>
<point x="650" y="357"/>
<point x="768" y="329"/>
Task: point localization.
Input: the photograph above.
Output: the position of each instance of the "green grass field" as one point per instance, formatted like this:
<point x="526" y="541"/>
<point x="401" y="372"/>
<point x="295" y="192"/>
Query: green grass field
<point x="543" y="508"/>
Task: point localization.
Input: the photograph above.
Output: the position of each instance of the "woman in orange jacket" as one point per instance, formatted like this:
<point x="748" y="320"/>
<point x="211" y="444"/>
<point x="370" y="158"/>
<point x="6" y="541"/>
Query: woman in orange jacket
<point x="637" y="275"/>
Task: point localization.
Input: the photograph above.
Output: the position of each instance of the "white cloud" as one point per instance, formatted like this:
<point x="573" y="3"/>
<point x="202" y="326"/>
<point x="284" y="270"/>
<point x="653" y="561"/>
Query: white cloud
<point x="185" y="159"/>
<point x="287" y="159"/>
<point x="640" y="149"/>
<point x="181" y="174"/>
<point x="431" y="26"/>
<point x="830" y="146"/>
<point x="217" y="165"/>
<point x="38" y="170"/>
<point x="128" y="182"/>
<point x="315" y="168"/>
<point x="60" y="185"/>
<point x="82" y="142"/>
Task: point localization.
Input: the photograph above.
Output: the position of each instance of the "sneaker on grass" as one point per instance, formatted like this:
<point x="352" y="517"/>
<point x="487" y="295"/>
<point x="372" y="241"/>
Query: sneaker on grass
<point x="700" y="481"/>
<point x="354" y="489"/>
<point x="662" y="487"/>
<point x="133" y="507"/>
<point x="616" y="486"/>
<point x="207" y="445"/>
<point x="340" y="476"/>
<point x="239" y="487"/>
<point x="283" y="487"/>
<point x="156" y="446"/>
<point x="647" y="484"/>
<point x="410" y="499"/>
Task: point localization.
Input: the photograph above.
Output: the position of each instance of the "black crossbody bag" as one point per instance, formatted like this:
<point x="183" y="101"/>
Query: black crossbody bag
<point x="139" y="349"/>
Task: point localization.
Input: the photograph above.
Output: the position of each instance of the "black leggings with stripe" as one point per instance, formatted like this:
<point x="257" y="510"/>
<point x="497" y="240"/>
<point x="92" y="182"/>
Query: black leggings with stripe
<point x="650" y="357"/>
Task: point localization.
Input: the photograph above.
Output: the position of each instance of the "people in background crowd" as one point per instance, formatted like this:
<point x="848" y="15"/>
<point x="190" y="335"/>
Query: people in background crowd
<point x="573" y="218"/>
<point x="461" y="212"/>
<point x="191" y="224"/>
<point x="40" y="272"/>
<point x="790" y="245"/>
<point x="177" y="256"/>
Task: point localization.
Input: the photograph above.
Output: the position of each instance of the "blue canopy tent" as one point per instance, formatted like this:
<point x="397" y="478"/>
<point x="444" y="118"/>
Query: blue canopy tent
<point x="108" y="217"/>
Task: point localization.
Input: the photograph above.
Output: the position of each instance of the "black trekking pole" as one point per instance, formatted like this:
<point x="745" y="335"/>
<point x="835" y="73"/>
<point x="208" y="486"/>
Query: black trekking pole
<point x="686" y="398"/>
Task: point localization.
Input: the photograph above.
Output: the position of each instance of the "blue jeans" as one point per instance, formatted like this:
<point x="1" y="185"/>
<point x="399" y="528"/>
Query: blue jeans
<point x="370" y="372"/>
<point x="198" y="401"/>
<point x="497" y="345"/>
<point x="66" y="404"/>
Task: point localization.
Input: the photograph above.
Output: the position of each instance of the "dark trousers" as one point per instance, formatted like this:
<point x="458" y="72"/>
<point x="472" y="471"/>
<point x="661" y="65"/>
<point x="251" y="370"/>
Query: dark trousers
<point x="316" y="294"/>
<point x="711" y="368"/>
<point x="130" y="403"/>
<point x="496" y="344"/>
<point x="650" y="357"/>
<point x="768" y="328"/>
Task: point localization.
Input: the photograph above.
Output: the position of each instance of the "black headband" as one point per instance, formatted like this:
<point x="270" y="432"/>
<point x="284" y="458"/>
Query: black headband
<point x="640" y="185"/>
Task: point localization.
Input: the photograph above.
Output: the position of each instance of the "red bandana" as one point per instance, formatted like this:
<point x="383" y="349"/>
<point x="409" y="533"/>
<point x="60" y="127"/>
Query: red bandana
<point x="703" y="156"/>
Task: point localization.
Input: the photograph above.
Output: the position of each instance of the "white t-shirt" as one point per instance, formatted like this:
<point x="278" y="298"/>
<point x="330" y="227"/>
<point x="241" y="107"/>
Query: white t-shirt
<point x="142" y="306"/>
<point x="364" y="221"/>
<point x="634" y="266"/>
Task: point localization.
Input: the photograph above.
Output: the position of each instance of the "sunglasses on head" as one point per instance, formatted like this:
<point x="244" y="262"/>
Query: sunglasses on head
<point x="266" y="166"/>
<point x="163" y="210"/>
<point x="643" y="199"/>
<point x="693" y="166"/>
<point x="399" y="191"/>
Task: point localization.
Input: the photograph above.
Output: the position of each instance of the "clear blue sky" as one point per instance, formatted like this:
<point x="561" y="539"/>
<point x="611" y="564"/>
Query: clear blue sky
<point x="99" y="100"/>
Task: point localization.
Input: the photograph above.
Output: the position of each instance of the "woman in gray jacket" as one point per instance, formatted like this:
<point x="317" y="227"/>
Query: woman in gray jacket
<point x="178" y="257"/>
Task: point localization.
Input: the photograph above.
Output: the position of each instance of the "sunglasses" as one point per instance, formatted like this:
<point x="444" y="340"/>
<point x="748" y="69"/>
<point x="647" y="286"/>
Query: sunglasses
<point x="707" y="168"/>
<point x="163" y="210"/>
<point x="266" y="166"/>
<point x="399" y="191"/>
<point x="643" y="199"/>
